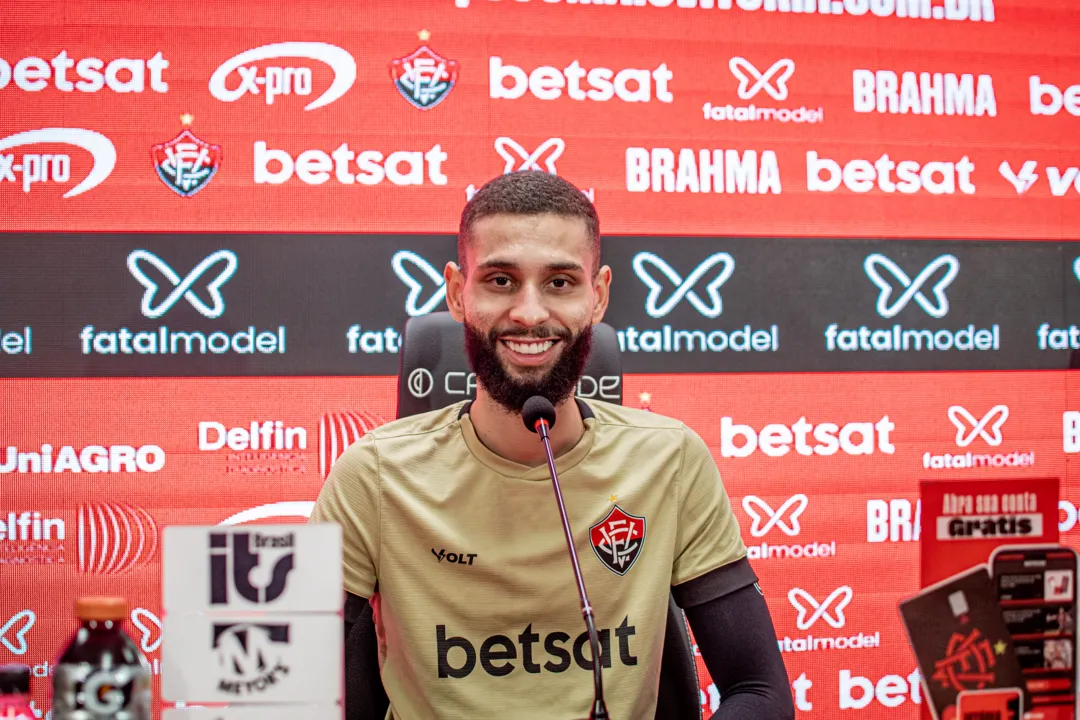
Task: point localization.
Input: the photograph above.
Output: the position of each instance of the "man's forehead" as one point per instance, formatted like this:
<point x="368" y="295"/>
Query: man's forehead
<point x="546" y="227"/>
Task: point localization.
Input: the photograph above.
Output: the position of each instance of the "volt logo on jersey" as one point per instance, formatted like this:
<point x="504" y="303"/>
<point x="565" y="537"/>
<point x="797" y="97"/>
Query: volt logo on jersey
<point x="152" y="272"/>
<point x="831" y="611"/>
<point x="516" y="157"/>
<point x="897" y="291"/>
<point x="666" y="291"/>
<point x="988" y="430"/>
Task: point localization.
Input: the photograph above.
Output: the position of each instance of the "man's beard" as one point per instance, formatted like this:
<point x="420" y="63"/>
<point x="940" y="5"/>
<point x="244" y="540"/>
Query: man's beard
<point x="556" y="385"/>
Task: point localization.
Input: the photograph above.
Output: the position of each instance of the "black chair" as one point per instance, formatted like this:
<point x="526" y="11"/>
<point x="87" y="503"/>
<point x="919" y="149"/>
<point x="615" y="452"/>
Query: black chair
<point x="434" y="373"/>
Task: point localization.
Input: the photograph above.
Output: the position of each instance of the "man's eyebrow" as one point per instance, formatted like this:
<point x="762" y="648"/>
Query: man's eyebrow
<point x="500" y="264"/>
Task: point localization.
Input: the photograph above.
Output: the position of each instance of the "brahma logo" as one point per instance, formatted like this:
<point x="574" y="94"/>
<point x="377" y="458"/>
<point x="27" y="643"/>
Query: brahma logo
<point x="893" y="520"/>
<point x="1067" y="338"/>
<point x="776" y="439"/>
<point x="897" y="291"/>
<point x="90" y="459"/>
<point x="600" y="83"/>
<point x="121" y="75"/>
<point x="662" y="169"/>
<point x="987" y="429"/>
<point x="786" y="519"/>
<point x="516" y="157"/>
<point x="831" y="610"/>
<point x="751" y="82"/>
<point x="339" y="430"/>
<point x="114" y="538"/>
<point x="936" y="177"/>
<point x="29" y="169"/>
<point x="885" y="91"/>
<point x="278" y="81"/>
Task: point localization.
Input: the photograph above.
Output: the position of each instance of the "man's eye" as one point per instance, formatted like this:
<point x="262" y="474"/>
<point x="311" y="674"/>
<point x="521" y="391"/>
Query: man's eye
<point x="501" y="281"/>
<point x="560" y="283"/>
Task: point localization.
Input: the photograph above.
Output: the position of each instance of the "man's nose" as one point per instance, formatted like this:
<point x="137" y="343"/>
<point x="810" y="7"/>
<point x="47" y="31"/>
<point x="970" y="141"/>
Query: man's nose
<point x="529" y="309"/>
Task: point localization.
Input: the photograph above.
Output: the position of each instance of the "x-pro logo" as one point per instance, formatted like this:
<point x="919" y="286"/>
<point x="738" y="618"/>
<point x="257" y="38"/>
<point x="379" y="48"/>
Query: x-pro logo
<point x="684" y="287"/>
<point x="416" y="287"/>
<point x="757" y="508"/>
<point x="988" y="428"/>
<point x="752" y="81"/>
<point x="912" y="289"/>
<point x="40" y="167"/>
<point x="277" y="79"/>
<point x="810" y="610"/>
<point x="182" y="287"/>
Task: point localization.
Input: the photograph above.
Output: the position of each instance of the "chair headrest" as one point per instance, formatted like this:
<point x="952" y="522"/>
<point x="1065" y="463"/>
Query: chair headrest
<point x="435" y="371"/>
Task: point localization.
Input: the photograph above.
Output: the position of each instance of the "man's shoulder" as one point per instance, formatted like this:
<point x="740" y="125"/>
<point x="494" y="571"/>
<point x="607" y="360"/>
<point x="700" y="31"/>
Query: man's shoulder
<point x="432" y="421"/>
<point x="609" y="415"/>
<point x="404" y="435"/>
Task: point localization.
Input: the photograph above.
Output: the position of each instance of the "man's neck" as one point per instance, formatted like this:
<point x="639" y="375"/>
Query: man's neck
<point x="504" y="433"/>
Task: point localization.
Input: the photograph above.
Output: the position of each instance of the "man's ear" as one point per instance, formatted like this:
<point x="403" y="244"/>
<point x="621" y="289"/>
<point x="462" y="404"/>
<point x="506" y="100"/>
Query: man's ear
<point x="455" y="287"/>
<point x="601" y="293"/>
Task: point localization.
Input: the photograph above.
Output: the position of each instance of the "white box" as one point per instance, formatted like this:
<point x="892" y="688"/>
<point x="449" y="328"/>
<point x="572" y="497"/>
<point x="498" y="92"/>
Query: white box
<point x="257" y="712"/>
<point x="283" y="568"/>
<point x="264" y="658"/>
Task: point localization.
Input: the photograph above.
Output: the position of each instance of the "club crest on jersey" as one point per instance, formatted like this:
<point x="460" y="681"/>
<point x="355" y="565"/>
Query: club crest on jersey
<point x="424" y="77"/>
<point x="617" y="539"/>
<point x="186" y="164"/>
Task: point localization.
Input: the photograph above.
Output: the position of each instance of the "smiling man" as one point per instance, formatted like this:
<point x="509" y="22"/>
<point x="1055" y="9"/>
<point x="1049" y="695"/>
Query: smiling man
<point x="496" y="630"/>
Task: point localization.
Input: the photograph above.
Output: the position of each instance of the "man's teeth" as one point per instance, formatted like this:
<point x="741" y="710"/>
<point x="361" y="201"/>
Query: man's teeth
<point x="530" y="348"/>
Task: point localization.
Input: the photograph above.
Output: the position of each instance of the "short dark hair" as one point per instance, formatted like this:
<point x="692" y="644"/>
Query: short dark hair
<point x="529" y="192"/>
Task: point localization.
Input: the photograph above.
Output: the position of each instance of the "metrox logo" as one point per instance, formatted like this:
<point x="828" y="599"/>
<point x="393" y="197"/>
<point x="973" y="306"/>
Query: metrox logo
<point x="971" y="430"/>
<point x="231" y="568"/>
<point x="1060" y="338"/>
<point x="667" y="289"/>
<point x="785" y="518"/>
<point x="897" y="291"/>
<point x="830" y="610"/>
<point x="164" y="288"/>
<point x="752" y="82"/>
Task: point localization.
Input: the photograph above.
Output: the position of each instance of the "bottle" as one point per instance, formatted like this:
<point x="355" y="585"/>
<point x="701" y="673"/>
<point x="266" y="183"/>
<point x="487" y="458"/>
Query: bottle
<point x="15" y="692"/>
<point x="101" y="675"/>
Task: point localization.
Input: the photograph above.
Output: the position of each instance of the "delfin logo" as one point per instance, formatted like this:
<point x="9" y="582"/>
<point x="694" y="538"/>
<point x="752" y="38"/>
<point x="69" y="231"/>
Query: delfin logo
<point x="684" y="288"/>
<point x="912" y="288"/>
<point x="417" y="287"/>
<point x="182" y="286"/>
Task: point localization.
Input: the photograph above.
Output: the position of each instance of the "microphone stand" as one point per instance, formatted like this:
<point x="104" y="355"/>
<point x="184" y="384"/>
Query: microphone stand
<point x="599" y="709"/>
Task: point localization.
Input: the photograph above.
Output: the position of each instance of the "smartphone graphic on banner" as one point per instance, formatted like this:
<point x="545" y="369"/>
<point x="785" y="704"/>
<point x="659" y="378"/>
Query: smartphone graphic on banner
<point x="1036" y="586"/>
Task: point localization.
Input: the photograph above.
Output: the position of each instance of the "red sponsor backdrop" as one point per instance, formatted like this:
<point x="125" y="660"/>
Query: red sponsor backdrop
<point x="833" y="568"/>
<point x="598" y="78"/>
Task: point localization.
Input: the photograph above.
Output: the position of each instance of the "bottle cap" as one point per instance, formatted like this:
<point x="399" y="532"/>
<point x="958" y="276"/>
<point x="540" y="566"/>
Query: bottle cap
<point x="101" y="608"/>
<point x="14" y="679"/>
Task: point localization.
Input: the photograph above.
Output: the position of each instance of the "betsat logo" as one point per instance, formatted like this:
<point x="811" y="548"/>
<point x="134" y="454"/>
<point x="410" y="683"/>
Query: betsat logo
<point x="426" y="293"/>
<point x="752" y="82"/>
<point x="283" y="79"/>
<point x="516" y="157"/>
<point x="886" y="91"/>
<point x="911" y="176"/>
<point x="822" y="439"/>
<point x="274" y="166"/>
<point x="1070" y="432"/>
<point x="37" y="168"/>
<point x="263" y="447"/>
<point x="896" y="291"/>
<point x="763" y="519"/>
<point x="598" y="84"/>
<point x="893" y="520"/>
<point x="1059" y="179"/>
<point x="891" y="691"/>
<point x="723" y="171"/>
<point x="830" y="610"/>
<point x="1050" y="99"/>
<point x="121" y="75"/>
<point x="989" y="515"/>
<point x="667" y="289"/>
<point x="987" y="430"/>
<point x="164" y="340"/>
<point x="1067" y="338"/>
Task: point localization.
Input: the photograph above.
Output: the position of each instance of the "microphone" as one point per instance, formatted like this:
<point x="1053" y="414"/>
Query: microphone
<point x="539" y="416"/>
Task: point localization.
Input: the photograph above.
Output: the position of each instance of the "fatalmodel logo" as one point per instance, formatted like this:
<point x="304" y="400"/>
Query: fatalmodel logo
<point x="13" y="632"/>
<point x="662" y="169"/>
<point x="886" y="91"/>
<point x="653" y="271"/>
<point x="1067" y="338"/>
<point x="786" y="519"/>
<point x="862" y="176"/>
<point x="896" y="291"/>
<point x="831" y="611"/>
<point x="776" y="439"/>
<point x="599" y="84"/>
<point x="1049" y="99"/>
<point x="427" y="292"/>
<point x="121" y="75"/>
<point x="752" y="82"/>
<point x="339" y="430"/>
<point x="278" y="81"/>
<point x="89" y="459"/>
<point x="16" y="342"/>
<point x="29" y="169"/>
<point x="987" y="430"/>
<point x="516" y="157"/>
<point x="165" y="341"/>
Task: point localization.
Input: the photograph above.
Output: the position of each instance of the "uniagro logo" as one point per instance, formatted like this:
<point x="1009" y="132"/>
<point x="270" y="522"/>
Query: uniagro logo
<point x="30" y="169"/>
<point x="114" y="538"/>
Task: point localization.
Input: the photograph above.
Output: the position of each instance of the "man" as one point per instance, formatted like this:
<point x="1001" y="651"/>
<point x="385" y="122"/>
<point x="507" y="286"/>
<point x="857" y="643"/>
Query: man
<point x="498" y="632"/>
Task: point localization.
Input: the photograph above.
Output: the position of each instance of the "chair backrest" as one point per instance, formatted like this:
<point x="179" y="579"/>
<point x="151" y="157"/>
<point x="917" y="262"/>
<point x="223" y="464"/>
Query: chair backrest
<point x="435" y="371"/>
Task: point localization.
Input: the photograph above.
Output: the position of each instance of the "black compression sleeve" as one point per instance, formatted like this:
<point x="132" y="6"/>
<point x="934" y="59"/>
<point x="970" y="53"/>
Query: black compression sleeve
<point x="736" y="638"/>
<point x="365" y="697"/>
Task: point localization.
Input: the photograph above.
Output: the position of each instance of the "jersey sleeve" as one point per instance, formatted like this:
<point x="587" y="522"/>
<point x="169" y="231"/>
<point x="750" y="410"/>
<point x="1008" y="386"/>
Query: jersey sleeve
<point x="707" y="537"/>
<point x="351" y="498"/>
